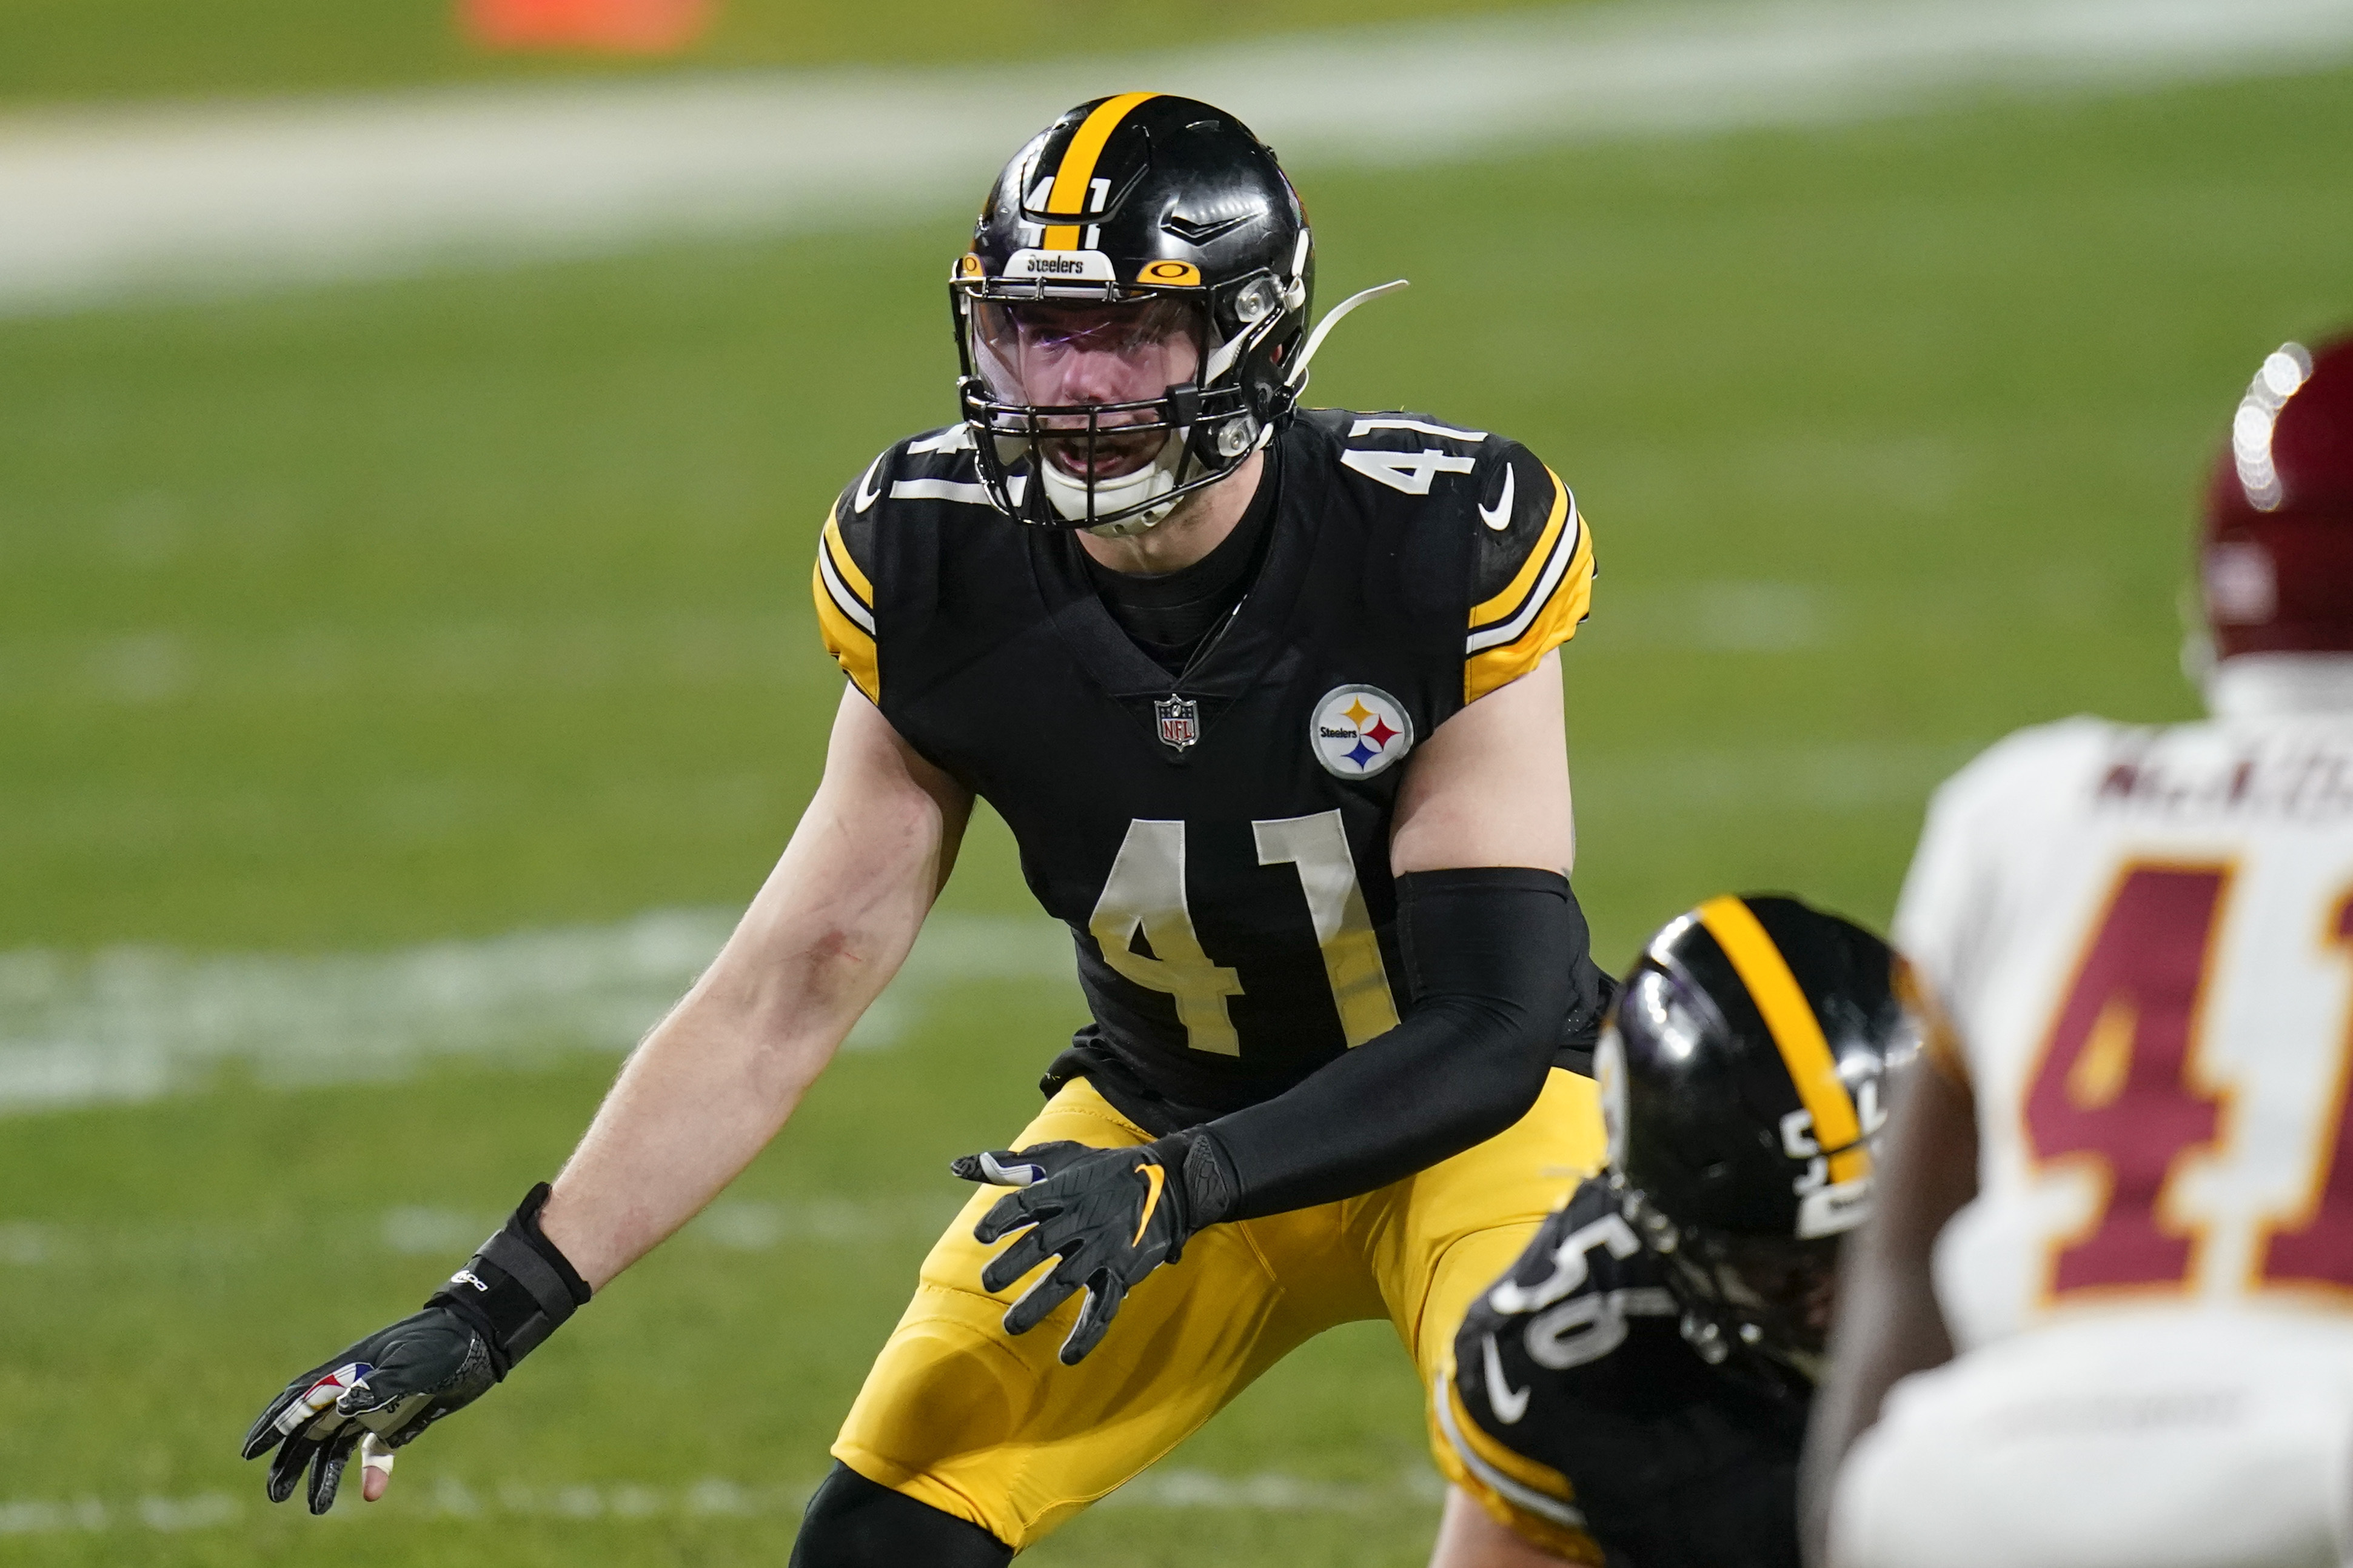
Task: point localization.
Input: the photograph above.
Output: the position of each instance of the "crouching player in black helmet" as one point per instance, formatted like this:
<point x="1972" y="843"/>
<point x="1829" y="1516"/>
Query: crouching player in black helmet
<point x="1634" y="1390"/>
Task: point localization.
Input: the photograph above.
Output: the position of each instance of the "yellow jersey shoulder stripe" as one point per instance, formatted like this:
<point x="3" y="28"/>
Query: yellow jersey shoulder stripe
<point x="1516" y="593"/>
<point x="1541" y="608"/>
<point x="842" y="575"/>
<point x="1503" y="618"/>
<point x="845" y="612"/>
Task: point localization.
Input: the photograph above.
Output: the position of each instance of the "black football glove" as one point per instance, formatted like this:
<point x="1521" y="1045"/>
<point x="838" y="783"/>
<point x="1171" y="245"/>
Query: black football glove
<point x="386" y="1389"/>
<point x="1111" y="1215"/>
<point x="380" y="1392"/>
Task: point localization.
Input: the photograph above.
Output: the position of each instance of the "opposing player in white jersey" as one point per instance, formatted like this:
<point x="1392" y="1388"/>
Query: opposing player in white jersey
<point x="2121" y="1184"/>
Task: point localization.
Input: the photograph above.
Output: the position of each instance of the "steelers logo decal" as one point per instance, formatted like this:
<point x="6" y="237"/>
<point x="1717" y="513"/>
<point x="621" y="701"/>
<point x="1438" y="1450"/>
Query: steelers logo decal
<point x="1359" y="731"/>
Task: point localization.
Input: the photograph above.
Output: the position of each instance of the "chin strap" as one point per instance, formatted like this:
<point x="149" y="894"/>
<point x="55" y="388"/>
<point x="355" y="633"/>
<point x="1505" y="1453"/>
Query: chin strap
<point x="1070" y="497"/>
<point x="1128" y="528"/>
<point x="1297" y="377"/>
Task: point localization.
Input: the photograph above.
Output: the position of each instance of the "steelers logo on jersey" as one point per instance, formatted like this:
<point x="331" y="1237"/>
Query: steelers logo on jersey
<point x="1359" y="731"/>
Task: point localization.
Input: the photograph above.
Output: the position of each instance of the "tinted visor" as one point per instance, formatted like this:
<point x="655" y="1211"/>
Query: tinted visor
<point x="1091" y="370"/>
<point x="1050" y="353"/>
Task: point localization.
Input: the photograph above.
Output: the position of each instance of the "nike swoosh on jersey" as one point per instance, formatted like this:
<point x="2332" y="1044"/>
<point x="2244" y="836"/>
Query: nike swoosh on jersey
<point x="867" y="494"/>
<point x="1497" y="517"/>
<point x="1508" y="1405"/>
<point x="1154" y="1175"/>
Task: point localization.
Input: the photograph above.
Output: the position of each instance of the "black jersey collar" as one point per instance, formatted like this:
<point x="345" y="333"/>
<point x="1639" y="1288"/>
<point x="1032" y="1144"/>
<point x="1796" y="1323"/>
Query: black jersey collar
<point x="1235" y="657"/>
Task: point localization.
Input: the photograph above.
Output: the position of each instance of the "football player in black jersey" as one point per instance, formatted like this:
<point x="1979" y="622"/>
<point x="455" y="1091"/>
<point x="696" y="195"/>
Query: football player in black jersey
<point x="1634" y="1390"/>
<point x="1271" y="699"/>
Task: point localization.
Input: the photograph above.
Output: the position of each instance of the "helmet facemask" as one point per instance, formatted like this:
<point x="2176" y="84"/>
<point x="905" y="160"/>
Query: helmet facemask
<point x="1769" y="1296"/>
<point x="1102" y="408"/>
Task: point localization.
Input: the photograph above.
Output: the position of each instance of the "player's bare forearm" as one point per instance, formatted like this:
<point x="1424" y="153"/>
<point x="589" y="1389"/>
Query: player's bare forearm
<point x="1490" y="787"/>
<point x="1889" y="1324"/>
<point x="706" y="1091"/>
<point x="717" y="1078"/>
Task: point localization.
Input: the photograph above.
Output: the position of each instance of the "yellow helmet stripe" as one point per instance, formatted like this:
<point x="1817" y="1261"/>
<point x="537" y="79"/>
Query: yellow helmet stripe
<point x="1798" y="1034"/>
<point x="1078" y="170"/>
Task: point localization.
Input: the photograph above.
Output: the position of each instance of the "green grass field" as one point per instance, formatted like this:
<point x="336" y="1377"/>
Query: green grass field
<point x="367" y="617"/>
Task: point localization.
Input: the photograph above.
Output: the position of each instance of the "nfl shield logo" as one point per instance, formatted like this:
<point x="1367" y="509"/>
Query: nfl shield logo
<point x="1180" y="721"/>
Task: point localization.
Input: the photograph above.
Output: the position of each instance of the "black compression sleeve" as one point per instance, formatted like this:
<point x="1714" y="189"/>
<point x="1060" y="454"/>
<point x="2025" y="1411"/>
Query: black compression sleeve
<point x="1493" y="958"/>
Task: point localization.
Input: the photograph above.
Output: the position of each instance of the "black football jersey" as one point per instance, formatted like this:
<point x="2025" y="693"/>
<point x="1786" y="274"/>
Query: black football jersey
<point x="1216" y="840"/>
<point x="1576" y="1401"/>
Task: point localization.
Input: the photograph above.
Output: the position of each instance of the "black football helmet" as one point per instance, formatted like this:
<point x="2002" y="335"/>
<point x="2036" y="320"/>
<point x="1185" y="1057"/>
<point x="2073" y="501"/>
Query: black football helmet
<point x="1167" y="204"/>
<point x="1742" y="1079"/>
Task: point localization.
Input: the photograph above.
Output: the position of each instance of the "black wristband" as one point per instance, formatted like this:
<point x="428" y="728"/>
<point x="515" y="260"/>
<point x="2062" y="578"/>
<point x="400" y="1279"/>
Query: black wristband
<point x="517" y="1289"/>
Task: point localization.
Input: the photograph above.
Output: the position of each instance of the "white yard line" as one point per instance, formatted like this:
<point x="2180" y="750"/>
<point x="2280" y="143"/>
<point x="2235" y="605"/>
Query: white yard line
<point x="128" y="1025"/>
<point x="95" y="206"/>
<point x="448" y="1497"/>
<point x="135" y="1024"/>
<point x="87" y="1515"/>
<point x="732" y="1225"/>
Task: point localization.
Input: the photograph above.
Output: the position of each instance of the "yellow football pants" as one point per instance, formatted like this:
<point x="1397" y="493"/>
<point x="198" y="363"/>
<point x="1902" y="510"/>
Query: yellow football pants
<point x="992" y="1428"/>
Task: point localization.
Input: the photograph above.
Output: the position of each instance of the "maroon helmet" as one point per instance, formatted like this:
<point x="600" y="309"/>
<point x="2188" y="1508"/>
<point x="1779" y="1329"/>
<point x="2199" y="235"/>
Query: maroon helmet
<point x="2276" y="557"/>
